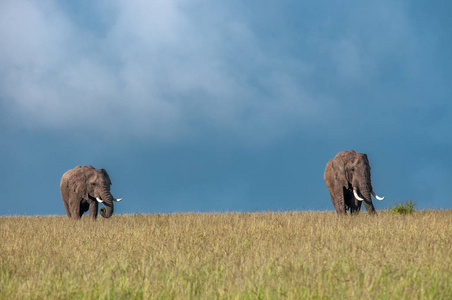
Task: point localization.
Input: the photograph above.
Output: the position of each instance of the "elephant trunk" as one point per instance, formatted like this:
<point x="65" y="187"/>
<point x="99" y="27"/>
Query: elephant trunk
<point x="365" y="191"/>
<point x="107" y="198"/>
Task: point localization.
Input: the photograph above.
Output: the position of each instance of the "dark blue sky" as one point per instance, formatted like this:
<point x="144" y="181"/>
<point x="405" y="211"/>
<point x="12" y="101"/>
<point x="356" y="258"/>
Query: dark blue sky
<point x="200" y="106"/>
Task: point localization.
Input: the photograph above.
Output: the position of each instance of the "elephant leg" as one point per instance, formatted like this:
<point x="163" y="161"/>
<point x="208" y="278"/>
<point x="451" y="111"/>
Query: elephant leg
<point x="66" y="207"/>
<point x="338" y="201"/>
<point x="74" y="207"/>
<point x="349" y="200"/>
<point x="356" y="205"/>
<point x="354" y="210"/>
<point x="84" y="207"/>
<point x="93" y="207"/>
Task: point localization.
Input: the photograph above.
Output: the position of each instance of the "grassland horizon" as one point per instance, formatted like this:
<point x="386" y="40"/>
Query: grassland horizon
<point x="239" y="255"/>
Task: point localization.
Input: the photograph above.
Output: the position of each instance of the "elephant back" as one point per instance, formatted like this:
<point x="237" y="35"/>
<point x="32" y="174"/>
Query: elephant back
<point x="74" y="180"/>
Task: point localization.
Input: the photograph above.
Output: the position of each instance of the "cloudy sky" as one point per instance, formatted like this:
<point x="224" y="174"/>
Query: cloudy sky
<point x="226" y="105"/>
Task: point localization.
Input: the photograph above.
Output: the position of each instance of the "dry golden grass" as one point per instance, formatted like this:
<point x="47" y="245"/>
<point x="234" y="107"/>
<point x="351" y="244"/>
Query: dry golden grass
<point x="294" y="255"/>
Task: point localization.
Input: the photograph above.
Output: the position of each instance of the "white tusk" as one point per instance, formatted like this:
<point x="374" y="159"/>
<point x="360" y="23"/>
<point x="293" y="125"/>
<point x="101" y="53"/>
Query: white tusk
<point x="117" y="200"/>
<point x="376" y="197"/>
<point x="356" y="195"/>
<point x="99" y="200"/>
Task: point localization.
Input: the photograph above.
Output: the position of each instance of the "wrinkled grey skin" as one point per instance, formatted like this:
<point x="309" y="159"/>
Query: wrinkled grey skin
<point x="79" y="189"/>
<point x="348" y="170"/>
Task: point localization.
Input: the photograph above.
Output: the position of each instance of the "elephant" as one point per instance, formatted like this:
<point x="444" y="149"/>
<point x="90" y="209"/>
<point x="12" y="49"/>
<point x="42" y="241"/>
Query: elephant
<point x="83" y="188"/>
<point x="347" y="177"/>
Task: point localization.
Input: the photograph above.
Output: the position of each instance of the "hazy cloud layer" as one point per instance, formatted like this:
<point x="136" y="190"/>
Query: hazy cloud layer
<point x="151" y="69"/>
<point x="163" y="69"/>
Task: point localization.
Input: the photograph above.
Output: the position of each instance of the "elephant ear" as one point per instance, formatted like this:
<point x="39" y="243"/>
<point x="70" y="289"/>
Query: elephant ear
<point x="339" y="172"/>
<point x="106" y="176"/>
<point x="366" y="160"/>
<point x="77" y="182"/>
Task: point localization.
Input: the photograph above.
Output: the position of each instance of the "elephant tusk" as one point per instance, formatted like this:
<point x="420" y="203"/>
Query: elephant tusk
<point x="117" y="200"/>
<point x="376" y="196"/>
<point x="99" y="200"/>
<point x="356" y="195"/>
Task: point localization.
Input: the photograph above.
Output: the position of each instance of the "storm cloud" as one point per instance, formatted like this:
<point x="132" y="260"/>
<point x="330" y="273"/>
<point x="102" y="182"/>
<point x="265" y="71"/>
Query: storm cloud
<point x="163" y="68"/>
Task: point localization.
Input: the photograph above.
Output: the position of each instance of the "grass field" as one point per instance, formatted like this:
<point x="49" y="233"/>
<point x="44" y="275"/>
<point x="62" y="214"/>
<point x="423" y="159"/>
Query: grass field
<point x="293" y="255"/>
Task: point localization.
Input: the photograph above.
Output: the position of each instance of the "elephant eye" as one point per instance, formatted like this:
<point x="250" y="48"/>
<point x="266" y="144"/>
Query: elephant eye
<point x="93" y="183"/>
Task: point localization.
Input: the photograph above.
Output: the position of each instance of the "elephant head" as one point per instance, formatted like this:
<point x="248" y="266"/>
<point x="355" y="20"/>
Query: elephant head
<point x="348" y="179"/>
<point x="82" y="188"/>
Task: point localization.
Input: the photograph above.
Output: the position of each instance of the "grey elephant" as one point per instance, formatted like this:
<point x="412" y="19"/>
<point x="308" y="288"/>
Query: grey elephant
<point x="83" y="188"/>
<point x="347" y="177"/>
